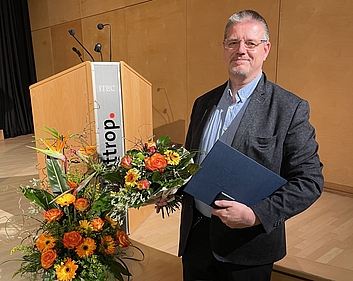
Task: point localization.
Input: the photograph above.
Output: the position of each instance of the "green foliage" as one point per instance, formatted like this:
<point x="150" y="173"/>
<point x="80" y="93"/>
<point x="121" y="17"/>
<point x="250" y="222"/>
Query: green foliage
<point x="40" y="196"/>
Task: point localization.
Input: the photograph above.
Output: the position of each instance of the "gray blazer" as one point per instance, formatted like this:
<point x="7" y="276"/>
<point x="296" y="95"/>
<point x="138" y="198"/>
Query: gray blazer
<point x="274" y="131"/>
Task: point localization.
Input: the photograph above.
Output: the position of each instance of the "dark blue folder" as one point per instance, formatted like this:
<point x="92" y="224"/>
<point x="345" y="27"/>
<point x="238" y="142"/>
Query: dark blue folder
<point x="227" y="170"/>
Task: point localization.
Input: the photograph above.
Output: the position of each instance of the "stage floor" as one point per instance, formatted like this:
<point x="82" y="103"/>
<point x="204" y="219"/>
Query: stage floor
<point x="320" y="240"/>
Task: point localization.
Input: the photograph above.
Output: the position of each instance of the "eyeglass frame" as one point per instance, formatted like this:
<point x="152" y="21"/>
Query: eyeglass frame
<point x="237" y="42"/>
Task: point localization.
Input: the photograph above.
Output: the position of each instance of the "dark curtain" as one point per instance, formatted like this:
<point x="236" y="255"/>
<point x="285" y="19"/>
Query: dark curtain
<point x="17" y="70"/>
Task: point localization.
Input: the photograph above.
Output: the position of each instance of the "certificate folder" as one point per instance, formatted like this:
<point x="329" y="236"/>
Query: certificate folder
<point x="227" y="170"/>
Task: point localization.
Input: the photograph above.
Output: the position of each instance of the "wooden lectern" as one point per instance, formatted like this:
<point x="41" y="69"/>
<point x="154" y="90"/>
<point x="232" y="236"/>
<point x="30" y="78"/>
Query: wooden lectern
<point x="108" y="102"/>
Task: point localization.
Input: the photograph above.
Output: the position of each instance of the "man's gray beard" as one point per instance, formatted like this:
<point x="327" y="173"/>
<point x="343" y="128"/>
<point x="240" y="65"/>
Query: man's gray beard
<point x="239" y="72"/>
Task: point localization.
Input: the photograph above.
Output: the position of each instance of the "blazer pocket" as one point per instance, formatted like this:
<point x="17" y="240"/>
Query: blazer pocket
<point x="262" y="149"/>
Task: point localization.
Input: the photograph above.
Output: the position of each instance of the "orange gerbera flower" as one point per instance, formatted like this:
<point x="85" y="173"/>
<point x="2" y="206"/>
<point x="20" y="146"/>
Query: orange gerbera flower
<point x="107" y="245"/>
<point x="66" y="199"/>
<point x="66" y="271"/>
<point x="86" y="248"/>
<point x="45" y="242"/>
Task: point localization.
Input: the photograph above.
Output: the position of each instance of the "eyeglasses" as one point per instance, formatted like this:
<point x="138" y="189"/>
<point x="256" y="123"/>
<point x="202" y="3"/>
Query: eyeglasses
<point x="231" y="44"/>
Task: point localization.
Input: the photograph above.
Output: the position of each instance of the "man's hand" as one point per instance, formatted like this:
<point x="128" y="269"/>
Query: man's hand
<point x="235" y="214"/>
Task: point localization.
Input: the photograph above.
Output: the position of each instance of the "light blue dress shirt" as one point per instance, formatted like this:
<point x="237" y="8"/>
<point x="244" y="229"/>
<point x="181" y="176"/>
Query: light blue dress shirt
<point x="219" y="121"/>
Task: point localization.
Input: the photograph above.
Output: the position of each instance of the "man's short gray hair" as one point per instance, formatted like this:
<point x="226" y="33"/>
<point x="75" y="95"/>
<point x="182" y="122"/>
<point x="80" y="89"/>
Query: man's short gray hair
<point x="247" y="15"/>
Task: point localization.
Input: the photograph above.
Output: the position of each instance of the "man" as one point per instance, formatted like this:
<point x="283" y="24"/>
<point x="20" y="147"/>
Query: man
<point x="235" y="241"/>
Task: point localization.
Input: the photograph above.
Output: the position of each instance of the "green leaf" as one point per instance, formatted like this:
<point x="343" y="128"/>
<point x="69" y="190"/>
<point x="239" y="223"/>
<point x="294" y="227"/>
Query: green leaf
<point x="193" y="168"/>
<point x="39" y="196"/>
<point x="50" y="153"/>
<point x="86" y="181"/>
<point x="118" y="269"/>
<point x="57" y="181"/>
<point x="163" y="141"/>
<point x="114" y="176"/>
<point x="156" y="176"/>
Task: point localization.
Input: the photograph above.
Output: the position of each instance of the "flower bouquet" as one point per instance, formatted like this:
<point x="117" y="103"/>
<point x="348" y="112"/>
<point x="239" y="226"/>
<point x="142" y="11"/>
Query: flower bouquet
<point x="79" y="237"/>
<point x="149" y="172"/>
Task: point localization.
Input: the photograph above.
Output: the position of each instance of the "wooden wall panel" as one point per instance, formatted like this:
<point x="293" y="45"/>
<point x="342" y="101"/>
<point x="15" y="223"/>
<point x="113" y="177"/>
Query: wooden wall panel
<point x="205" y="27"/>
<point x="94" y="7"/>
<point x="39" y="14"/>
<point x="156" y="46"/>
<point x="63" y="56"/>
<point x="63" y="11"/>
<point x="92" y="35"/>
<point x="314" y="61"/>
<point x="43" y="53"/>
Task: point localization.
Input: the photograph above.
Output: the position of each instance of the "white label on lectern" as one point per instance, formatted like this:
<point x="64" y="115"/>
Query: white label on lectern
<point x="108" y="111"/>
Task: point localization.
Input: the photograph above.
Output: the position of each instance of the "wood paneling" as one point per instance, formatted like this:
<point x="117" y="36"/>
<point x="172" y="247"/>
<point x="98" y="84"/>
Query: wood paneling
<point x="63" y="11"/>
<point x="43" y="53"/>
<point x="314" y="61"/>
<point x="63" y="56"/>
<point x="39" y="14"/>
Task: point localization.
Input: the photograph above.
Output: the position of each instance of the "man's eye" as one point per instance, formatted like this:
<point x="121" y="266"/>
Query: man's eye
<point x="250" y="44"/>
<point x="233" y="43"/>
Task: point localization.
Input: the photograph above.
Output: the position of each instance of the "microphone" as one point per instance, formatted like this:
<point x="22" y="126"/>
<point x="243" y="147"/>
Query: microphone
<point x="100" y="26"/>
<point x="98" y="49"/>
<point x="78" y="53"/>
<point x="72" y="33"/>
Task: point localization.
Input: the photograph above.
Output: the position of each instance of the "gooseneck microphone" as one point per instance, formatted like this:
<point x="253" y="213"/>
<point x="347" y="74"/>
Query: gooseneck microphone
<point x="72" y="33"/>
<point x="78" y="53"/>
<point x="100" y="26"/>
<point x="98" y="49"/>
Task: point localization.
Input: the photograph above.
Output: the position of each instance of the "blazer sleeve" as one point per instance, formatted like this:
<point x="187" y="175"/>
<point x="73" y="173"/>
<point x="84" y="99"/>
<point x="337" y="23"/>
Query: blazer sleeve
<point x="301" y="167"/>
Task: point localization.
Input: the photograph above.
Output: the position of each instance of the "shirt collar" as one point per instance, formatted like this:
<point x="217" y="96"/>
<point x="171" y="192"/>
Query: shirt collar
<point x="245" y="92"/>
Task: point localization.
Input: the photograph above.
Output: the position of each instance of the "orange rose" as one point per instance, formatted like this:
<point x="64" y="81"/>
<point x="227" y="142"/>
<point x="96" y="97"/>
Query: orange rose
<point x="126" y="162"/>
<point x="143" y="184"/>
<point x="72" y="239"/>
<point x="97" y="224"/>
<point x="53" y="214"/>
<point x="48" y="258"/>
<point x="156" y="162"/>
<point x="81" y="204"/>
<point x="122" y="239"/>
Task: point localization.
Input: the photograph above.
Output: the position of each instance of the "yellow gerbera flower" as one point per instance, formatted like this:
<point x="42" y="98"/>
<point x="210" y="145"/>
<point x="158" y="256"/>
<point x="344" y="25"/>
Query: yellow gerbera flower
<point x="85" y="225"/>
<point x="173" y="158"/>
<point x="86" y="248"/>
<point x="65" y="200"/>
<point x="107" y="245"/>
<point x="66" y="271"/>
<point x="112" y="222"/>
<point x="45" y="241"/>
<point x="131" y="177"/>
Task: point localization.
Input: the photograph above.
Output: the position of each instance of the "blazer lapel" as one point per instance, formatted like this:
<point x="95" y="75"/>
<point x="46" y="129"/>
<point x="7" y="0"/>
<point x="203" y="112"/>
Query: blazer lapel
<point x="251" y="113"/>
